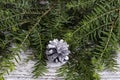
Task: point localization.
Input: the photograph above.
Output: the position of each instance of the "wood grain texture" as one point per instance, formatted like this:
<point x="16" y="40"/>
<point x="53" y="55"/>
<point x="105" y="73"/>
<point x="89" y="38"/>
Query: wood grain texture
<point x="24" y="69"/>
<point x="115" y="75"/>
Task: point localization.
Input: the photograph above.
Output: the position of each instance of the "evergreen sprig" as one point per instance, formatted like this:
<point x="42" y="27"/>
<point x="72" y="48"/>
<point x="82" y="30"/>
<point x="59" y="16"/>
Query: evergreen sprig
<point x="91" y="28"/>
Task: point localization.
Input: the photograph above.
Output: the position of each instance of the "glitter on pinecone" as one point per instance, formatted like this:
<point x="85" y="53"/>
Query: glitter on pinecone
<point x="57" y="51"/>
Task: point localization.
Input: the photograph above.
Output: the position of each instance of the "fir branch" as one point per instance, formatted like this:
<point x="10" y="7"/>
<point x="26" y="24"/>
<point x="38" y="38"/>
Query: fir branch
<point x="84" y="24"/>
<point x="17" y="24"/>
<point x="79" y="4"/>
<point x="94" y="19"/>
<point x="35" y="25"/>
<point x="107" y="42"/>
<point x="12" y="16"/>
<point x="94" y="30"/>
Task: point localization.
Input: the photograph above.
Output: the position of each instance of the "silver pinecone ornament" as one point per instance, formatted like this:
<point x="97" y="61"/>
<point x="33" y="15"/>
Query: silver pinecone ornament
<point x="57" y="51"/>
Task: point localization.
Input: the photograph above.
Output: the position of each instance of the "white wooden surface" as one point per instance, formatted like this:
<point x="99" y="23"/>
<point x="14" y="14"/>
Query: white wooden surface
<point x="24" y="69"/>
<point x="107" y="75"/>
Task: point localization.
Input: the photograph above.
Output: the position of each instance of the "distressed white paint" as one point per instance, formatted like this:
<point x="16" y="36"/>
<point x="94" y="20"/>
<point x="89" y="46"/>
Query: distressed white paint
<point x="115" y="75"/>
<point x="24" y="69"/>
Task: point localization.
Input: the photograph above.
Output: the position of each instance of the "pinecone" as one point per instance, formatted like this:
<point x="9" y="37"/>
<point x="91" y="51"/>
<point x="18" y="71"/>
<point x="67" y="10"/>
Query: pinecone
<point x="57" y="51"/>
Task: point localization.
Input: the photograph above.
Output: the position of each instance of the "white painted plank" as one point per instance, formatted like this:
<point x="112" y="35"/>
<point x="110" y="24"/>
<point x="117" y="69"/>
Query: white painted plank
<point x="23" y="71"/>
